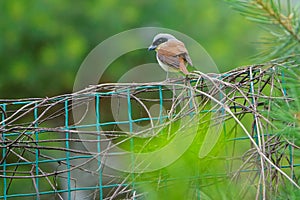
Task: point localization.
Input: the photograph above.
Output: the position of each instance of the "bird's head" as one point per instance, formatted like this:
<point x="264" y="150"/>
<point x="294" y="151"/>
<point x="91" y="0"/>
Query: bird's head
<point x="160" y="39"/>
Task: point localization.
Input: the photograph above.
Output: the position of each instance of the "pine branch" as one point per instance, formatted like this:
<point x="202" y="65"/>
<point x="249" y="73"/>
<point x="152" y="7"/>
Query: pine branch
<point x="279" y="19"/>
<point x="285" y="21"/>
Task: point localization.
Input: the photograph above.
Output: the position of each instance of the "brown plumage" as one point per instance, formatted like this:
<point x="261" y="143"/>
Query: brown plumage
<point x="171" y="53"/>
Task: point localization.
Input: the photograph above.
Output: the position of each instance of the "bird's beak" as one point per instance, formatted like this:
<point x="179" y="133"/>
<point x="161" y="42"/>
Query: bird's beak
<point x="152" y="47"/>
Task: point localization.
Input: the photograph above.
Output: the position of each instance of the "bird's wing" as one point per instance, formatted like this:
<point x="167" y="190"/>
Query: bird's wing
<point x="175" y="48"/>
<point x="167" y="59"/>
<point x="175" y="62"/>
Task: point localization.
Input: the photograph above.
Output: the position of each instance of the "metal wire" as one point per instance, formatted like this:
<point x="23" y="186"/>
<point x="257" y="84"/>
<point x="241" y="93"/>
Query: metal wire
<point x="41" y="142"/>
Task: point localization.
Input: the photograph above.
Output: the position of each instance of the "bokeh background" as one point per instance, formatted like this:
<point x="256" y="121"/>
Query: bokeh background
<point x="43" y="43"/>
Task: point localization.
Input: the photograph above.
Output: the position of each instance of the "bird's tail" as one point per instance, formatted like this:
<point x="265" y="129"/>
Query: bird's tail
<point x="182" y="67"/>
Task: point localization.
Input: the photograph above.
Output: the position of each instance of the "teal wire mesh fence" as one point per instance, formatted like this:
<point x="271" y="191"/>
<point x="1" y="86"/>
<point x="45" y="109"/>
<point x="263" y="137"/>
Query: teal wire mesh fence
<point x="104" y="142"/>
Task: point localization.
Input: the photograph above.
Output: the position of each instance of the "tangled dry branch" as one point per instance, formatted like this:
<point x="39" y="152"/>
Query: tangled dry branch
<point x="41" y="134"/>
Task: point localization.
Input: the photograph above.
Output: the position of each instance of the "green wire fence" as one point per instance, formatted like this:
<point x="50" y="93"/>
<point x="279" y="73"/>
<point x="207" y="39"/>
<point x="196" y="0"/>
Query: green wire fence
<point x="61" y="147"/>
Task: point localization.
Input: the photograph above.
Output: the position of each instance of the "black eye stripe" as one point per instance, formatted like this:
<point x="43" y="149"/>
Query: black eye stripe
<point x="159" y="41"/>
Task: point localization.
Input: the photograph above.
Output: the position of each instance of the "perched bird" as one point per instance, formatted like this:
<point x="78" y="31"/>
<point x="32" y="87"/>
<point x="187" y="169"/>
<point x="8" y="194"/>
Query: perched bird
<point x="171" y="53"/>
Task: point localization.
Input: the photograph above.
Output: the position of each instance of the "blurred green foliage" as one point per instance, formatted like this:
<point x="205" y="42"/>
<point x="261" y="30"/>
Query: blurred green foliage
<point x="43" y="43"/>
